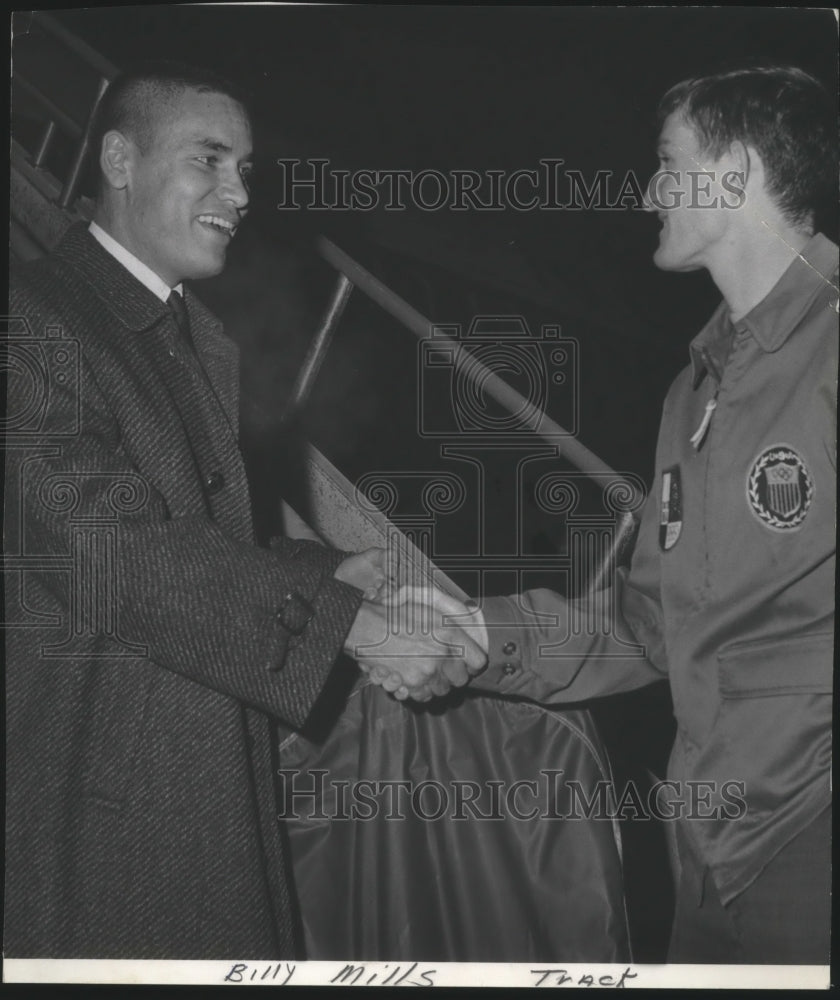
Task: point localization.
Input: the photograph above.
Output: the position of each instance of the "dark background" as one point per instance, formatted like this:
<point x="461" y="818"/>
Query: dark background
<point x="471" y="87"/>
<point x="478" y="88"/>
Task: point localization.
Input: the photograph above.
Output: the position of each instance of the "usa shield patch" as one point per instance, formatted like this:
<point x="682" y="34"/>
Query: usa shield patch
<point x="779" y="488"/>
<point x="670" y="511"/>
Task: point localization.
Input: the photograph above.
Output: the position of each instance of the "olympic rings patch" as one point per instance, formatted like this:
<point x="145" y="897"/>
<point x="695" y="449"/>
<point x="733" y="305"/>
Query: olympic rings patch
<point x="779" y="488"/>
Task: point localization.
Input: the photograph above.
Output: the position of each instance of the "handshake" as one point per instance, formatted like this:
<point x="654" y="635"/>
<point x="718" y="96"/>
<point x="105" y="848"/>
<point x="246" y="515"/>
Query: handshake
<point x="415" y="641"/>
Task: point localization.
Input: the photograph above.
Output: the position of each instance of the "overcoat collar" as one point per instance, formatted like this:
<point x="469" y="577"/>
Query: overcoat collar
<point x="138" y="310"/>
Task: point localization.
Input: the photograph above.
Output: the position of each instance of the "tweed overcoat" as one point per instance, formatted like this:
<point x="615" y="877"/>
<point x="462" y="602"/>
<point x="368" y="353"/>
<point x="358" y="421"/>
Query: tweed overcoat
<point x="151" y="644"/>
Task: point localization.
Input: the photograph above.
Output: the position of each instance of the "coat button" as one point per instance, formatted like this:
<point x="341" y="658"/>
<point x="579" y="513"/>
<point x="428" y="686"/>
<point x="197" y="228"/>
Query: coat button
<point x="214" y="483"/>
<point x="294" y="615"/>
<point x="509" y="669"/>
<point x="508" y="648"/>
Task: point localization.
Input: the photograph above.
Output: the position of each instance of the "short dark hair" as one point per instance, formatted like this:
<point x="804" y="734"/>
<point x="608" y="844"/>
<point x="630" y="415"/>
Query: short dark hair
<point x="781" y="111"/>
<point x="134" y="97"/>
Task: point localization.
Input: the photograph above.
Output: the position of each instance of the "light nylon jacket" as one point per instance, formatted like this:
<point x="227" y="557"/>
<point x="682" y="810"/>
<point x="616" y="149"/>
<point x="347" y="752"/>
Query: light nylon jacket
<point x="731" y="588"/>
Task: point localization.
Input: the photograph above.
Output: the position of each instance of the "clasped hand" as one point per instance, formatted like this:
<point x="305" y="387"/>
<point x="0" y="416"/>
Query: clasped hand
<point x="415" y="641"/>
<point x="374" y="572"/>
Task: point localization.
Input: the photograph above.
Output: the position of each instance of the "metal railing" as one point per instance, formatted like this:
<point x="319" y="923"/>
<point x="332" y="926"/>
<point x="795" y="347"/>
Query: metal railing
<point x="351" y="274"/>
<point x="58" y="120"/>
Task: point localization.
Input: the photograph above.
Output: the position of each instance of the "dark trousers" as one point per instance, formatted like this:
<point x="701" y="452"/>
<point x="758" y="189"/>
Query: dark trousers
<point x="783" y="917"/>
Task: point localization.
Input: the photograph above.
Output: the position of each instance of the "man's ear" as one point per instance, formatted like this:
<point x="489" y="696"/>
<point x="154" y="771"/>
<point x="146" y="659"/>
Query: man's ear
<point x="746" y="163"/>
<point x="116" y="159"/>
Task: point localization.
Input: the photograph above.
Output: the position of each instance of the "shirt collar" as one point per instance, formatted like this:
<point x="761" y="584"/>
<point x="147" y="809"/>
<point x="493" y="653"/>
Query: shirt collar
<point x="775" y="317"/>
<point x="141" y="272"/>
<point x="710" y="347"/>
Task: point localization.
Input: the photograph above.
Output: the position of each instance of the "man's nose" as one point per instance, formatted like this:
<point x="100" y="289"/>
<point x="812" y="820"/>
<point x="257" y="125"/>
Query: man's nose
<point x="235" y="191"/>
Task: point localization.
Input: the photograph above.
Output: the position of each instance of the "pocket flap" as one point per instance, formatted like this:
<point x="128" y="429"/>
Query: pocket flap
<point x="798" y="665"/>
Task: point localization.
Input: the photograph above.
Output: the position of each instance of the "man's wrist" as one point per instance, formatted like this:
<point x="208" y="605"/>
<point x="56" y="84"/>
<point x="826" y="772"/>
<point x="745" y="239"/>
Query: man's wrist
<point x="475" y="626"/>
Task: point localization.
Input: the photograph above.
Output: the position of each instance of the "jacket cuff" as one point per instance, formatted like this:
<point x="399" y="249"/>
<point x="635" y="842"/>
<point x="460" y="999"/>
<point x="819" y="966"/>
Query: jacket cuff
<point x="318" y="627"/>
<point x="509" y="658"/>
<point x="536" y="653"/>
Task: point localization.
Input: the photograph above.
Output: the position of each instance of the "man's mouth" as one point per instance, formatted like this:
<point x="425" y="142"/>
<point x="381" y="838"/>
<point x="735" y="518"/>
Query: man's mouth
<point x="220" y="224"/>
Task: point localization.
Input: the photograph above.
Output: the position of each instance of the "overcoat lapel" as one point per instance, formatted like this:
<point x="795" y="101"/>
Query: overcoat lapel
<point x="192" y="405"/>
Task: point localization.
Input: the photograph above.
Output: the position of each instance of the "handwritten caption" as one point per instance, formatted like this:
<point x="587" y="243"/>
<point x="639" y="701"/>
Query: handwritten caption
<point x="415" y="974"/>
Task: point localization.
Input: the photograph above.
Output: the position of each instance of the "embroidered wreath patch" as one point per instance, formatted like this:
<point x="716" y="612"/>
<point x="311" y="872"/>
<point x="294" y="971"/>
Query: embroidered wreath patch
<point x="780" y="488"/>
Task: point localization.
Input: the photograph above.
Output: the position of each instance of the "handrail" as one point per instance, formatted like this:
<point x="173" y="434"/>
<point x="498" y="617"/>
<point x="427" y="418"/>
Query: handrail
<point x="353" y="274"/>
<point x="80" y="133"/>
<point x="72" y="127"/>
<point x="318" y="348"/>
<point x="71" y="182"/>
<point x="567" y="445"/>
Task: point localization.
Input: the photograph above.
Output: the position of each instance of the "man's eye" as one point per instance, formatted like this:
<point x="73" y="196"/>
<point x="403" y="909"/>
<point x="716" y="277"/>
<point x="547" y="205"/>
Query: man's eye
<point x="210" y="161"/>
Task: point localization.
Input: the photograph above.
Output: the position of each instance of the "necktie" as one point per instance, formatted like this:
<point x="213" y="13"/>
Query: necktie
<point x="178" y="308"/>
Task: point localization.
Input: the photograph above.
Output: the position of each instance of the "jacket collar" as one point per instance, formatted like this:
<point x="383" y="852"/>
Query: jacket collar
<point x="130" y="301"/>
<point x="138" y="309"/>
<point x="710" y="347"/>
<point x="133" y="264"/>
<point x="778" y="314"/>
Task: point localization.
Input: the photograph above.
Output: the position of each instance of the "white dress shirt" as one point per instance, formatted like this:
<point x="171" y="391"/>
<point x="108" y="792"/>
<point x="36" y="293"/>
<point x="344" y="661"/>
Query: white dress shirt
<point x="142" y="273"/>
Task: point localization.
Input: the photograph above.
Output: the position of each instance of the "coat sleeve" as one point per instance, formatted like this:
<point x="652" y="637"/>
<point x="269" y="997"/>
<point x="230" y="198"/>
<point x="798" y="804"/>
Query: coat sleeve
<point x="262" y="626"/>
<point x="546" y="648"/>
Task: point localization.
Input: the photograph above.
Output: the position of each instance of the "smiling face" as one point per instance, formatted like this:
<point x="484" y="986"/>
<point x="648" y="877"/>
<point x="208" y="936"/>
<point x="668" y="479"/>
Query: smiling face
<point x="694" y="208"/>
<point x="186" y="193"/>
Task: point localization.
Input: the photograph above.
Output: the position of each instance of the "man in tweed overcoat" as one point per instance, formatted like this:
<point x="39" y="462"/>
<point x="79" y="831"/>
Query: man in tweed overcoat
<point x="152" y="645"/>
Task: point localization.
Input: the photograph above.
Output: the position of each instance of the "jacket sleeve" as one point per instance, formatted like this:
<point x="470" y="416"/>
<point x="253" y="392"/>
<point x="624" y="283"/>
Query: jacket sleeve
<point x="546" y="648"/>
<point x="263" y="626"/>
<point x="304" y="548"/>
